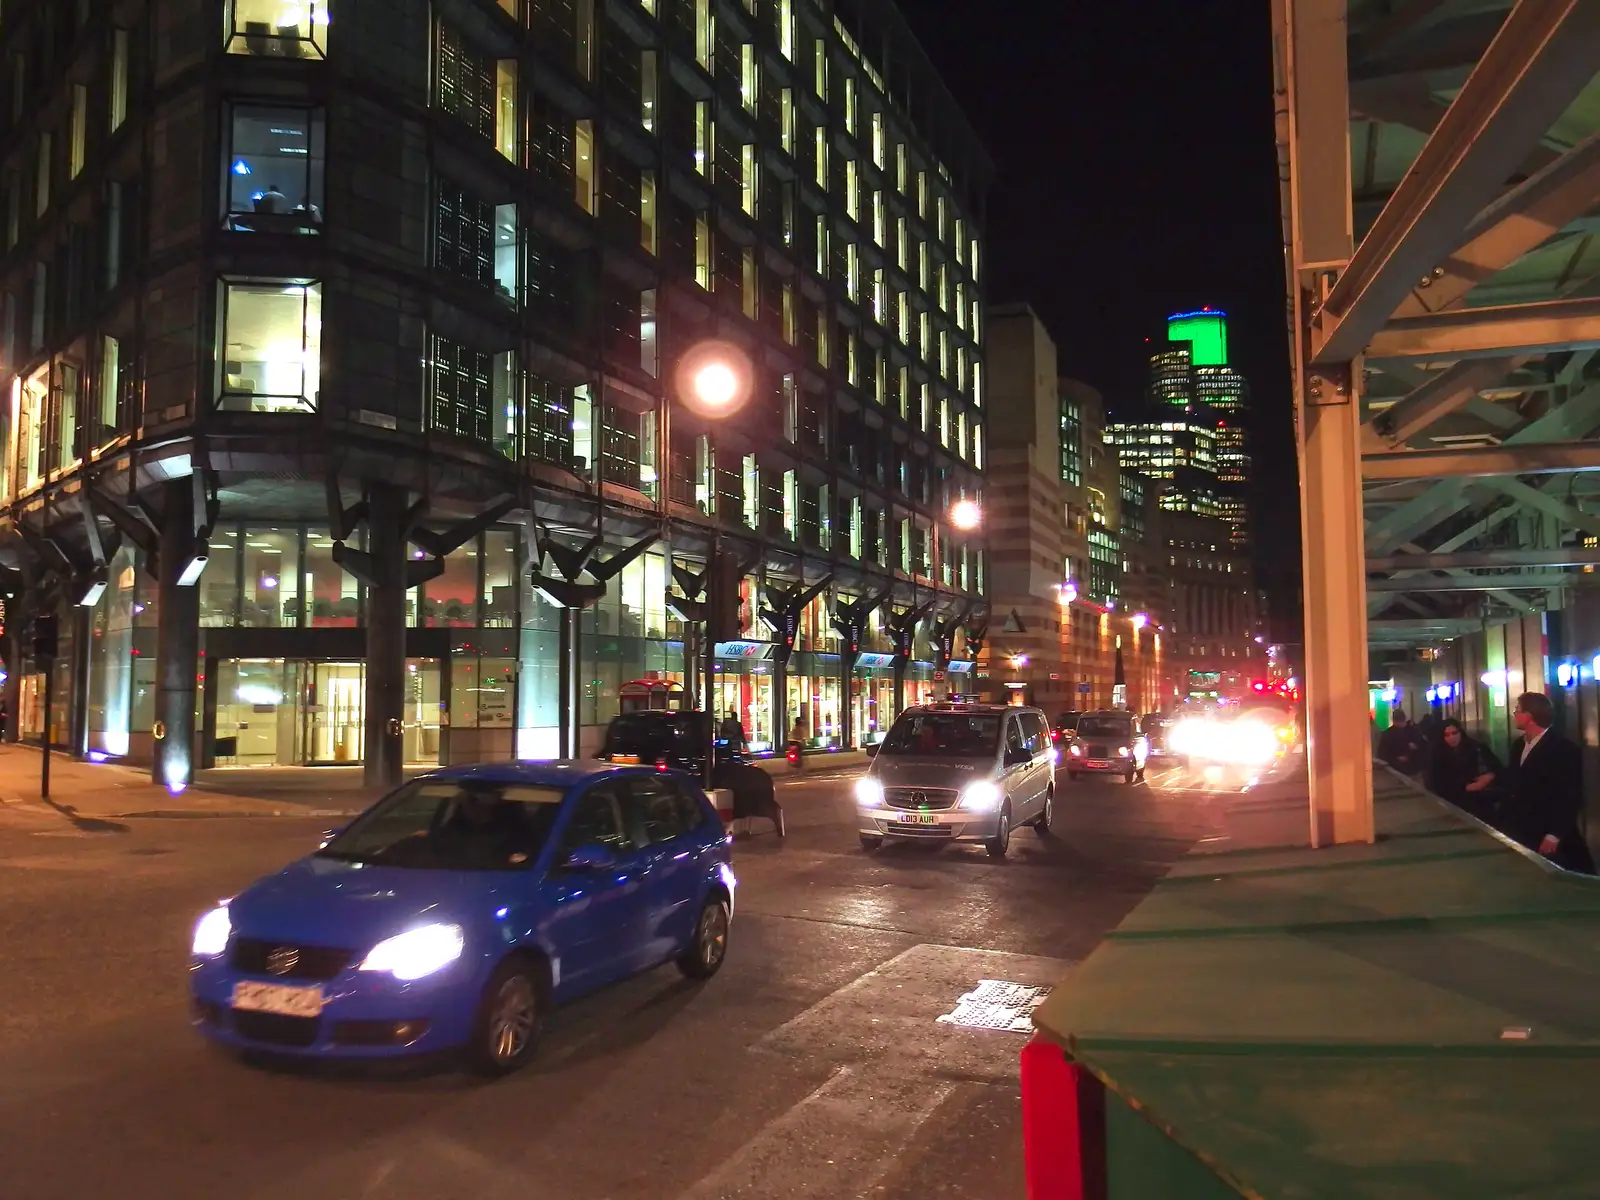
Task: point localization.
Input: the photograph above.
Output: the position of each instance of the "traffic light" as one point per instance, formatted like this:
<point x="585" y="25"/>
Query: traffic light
<point x="45" y="637"/>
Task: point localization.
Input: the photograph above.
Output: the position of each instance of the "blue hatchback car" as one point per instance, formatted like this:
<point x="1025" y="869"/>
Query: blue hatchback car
<point x="453" y="912"/>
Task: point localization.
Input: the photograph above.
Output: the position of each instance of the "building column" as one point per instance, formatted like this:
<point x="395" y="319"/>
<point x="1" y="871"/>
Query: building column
<point x="569" y="687"/>
<point x="388" y="516"/>
<point x="78" y="697"/>
<point x="1313" y="122"/>
<point x="177" y="640"/>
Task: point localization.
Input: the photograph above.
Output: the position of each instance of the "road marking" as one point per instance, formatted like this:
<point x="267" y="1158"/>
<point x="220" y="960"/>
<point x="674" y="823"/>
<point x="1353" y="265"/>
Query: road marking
<point x="837" y="1141"/>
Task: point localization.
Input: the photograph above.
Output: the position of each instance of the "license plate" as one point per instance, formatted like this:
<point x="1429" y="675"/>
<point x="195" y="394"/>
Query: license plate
<point x="921" y="819"/>
<point x="278" y="998"/>
<point x="1097" y="762"/>
<point x="624" y="758"/>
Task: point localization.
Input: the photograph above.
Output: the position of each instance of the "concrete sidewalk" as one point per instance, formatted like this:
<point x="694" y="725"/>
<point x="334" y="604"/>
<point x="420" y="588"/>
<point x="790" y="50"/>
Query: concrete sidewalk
<point x="88" y="791"/>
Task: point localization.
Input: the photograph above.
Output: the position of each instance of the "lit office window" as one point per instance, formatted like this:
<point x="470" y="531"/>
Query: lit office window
<point x="786" y="120"/>
<point x="749" y="76"/>
<point x="750" y="283"/>
<point x="507" y="132"/>
<point x="749" y="181"/>
<point x="879" y="233"/>
<point x="819" y="68"/>
<point x="79" y="131"/>
<point x="901" y="243"/>
<point x="878" y="148"/>
<point x="705" y="33"/>
<point x="850" y="105"/>
<point x="702" y="251"/>
<point x="852" y="270"/>
<point x="822" y="157"/>
<point x="852" y="189"/>
<point x="902" y="175"/>
<point x="275" y="162"/>
<point x="879" y="294"/>
<point x="585" y="171"/>
<point x="271" y="346"/>
<point x="647" y="90"/>
<point x="822" y="245"/>
<point x="790" y="331"/>
<point x="702" y="137"/>
<point x="274" y="29"/>
<point x="647" y="211"/>
<point x="119" y="79"/>
<point x="583" y="38"/>
<point x="648" y="359"/>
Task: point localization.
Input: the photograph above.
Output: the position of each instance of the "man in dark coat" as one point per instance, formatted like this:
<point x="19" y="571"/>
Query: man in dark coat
<point x="1546" y="786"/>
<point x="1402" y="747"/>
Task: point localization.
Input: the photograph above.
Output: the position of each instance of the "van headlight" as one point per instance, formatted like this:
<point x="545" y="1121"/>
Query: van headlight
<point x="417" y="952"/>
<point x="869" y="792"/>
<point x="981" y="796"/>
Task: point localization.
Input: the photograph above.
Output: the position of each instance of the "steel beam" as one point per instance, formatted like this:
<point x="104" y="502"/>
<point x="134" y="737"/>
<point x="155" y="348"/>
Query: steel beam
<point x="1313" y="106"/>
<point x="1486" y="560"/>
<point x="1482" y="462"/>
<point x="1544" y="54"/>
<point x="1440" y="396"/>
<point x="1482" y="583"/>
<point x="1542" y="501"/>
<point x="1524" y="329"/>
<point x="1526" y="217"/>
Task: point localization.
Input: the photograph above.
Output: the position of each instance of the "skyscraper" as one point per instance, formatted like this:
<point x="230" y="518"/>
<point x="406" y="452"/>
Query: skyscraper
<point x="1193" y="432"/>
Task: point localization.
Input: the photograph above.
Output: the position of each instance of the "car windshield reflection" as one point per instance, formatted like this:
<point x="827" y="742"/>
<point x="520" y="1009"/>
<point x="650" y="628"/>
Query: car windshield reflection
<point x="455" y="825"/>
<point x="1104" y="727"/>
<point x="943" y="735"/>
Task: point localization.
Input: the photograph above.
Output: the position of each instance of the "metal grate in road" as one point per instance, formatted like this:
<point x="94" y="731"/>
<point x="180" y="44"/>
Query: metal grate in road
<point x="997" y="1004"/>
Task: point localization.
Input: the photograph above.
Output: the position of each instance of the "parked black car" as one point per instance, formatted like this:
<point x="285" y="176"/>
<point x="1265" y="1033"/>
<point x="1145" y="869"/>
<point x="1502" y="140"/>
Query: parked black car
<point x="672" y="738"/>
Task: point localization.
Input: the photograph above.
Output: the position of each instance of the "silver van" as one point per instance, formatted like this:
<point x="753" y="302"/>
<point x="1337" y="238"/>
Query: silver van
<point x="959" y="773"/>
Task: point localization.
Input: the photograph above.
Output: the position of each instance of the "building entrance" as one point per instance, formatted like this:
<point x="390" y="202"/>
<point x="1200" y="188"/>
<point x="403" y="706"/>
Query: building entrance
<point x="299" y="712"/>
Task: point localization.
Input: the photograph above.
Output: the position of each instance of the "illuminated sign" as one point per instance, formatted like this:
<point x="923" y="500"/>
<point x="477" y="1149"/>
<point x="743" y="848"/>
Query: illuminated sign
<point x="745" y="650"/>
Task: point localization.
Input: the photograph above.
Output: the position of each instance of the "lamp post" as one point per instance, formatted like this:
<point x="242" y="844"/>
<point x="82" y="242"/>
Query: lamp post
<point x="714" y="380"/>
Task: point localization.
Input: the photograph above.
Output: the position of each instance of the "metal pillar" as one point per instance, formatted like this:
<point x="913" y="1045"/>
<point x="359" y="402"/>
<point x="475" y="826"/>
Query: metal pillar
<point x="78" y="701"/>
<point x="177" y="640"/>
<point x="1313" y="128"/>
<point x="383" y="749"/>
<point x="569" y="689"/>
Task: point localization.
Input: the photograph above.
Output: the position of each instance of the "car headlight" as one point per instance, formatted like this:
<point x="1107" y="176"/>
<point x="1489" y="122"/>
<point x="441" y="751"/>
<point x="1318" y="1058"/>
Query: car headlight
<point x="1122" y="752"/>
<point x="416" y="952"/>
<point x="1075" y="750"/>
<point x="981" y="796"/>
<point x="869" y="792"/>
<point x="211" y="933"/>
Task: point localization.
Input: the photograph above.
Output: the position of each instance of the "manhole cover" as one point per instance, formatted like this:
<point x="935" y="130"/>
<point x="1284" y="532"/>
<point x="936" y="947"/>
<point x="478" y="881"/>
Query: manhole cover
<point x="997" y="1004"/>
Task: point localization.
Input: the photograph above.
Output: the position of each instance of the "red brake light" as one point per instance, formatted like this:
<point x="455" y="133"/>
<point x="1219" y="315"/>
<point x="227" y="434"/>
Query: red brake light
<point x="661" y="764"/>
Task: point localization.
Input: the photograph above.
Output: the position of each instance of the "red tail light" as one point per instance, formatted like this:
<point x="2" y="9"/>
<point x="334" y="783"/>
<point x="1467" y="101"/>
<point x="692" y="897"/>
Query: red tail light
<point x="661" y="764"/>
<point x="792" y="754"/>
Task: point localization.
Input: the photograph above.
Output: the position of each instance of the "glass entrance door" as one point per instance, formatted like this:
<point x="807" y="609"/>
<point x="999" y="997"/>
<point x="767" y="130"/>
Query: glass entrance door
<point x="335" y="712"/>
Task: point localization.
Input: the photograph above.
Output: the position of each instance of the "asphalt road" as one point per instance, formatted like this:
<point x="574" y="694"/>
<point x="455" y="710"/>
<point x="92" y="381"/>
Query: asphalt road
<point x="812" y="1066"/>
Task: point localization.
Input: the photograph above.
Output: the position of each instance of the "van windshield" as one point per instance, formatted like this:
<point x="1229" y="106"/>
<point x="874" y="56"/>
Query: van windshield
<point x="1105" y="727"/>
<point x="943" y="735"/>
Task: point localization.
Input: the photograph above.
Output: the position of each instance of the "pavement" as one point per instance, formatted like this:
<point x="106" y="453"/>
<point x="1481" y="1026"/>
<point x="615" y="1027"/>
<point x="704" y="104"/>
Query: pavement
<point x="110" y="791"/>
<point x="813" y="1065"/>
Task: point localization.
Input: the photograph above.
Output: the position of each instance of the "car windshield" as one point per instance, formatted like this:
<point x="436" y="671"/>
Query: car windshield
<point x="943" y="735"/>
<point x="453" y="825"/>
<point x="1105" y="727"/>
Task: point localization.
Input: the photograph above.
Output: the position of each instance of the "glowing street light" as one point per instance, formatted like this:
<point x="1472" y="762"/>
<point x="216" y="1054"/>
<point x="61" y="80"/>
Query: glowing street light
<point x="1068" y="592"/>
<point x="1140" y="620"/>
<point x="965" y="515"/>
<point x="714" y="378"/>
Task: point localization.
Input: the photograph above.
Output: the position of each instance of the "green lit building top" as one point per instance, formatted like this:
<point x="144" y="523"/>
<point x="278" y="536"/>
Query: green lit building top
<point x="1205" y="331"/>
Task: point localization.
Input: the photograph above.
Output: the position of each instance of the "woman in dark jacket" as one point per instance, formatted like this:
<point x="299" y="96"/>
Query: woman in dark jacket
<point x="1465" y="771"/>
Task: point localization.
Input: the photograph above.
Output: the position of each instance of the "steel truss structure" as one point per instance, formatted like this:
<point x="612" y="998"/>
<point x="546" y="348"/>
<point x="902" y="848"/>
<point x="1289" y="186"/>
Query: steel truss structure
<point x="1440" y="174"/>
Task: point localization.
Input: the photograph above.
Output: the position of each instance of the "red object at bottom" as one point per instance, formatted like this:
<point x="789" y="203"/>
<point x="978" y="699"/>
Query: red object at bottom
<point x="1063" y="1126"/>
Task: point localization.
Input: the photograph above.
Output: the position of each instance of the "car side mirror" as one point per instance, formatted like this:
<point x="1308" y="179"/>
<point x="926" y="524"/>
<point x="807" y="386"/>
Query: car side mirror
<point x="872" y="752"/>
<point x="591" y="857"/>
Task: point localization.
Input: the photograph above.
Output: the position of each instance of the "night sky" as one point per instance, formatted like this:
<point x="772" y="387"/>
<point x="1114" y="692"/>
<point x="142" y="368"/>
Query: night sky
<point x="1135" y="177"/>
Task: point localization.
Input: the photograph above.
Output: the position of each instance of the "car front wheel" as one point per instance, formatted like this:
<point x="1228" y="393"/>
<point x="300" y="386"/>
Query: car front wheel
<point x="1042" y="824"/>
<point x="1001" y="841"/>
<point x="870" y="843"/>
<point x="510" y="1019"/>
<point x="703" y="957"/>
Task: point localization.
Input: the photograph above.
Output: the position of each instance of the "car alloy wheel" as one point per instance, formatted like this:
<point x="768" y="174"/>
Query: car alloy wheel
<point x="709" y="946"/>
<point x="1048" y="816"/>
<point x="509" y="1020"/>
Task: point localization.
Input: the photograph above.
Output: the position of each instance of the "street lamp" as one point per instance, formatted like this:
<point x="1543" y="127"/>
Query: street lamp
<point x="1140" y="620"/>
<point x="1068" y="592"/>
<point x="966" y="515"/>
<point x="714" y="378"/>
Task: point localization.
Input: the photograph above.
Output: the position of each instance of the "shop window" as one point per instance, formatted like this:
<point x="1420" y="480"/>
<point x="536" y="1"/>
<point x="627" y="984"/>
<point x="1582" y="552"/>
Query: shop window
<point x="275" y="164"/>
<point x="274" y="29"/>
<point x="333" y="596"/>
<point x="270" y="577"/>
<point x="451" y="599"/>
<point x="272" y="346"/>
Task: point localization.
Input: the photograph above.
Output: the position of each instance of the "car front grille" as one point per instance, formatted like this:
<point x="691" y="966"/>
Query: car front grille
<point x="275" y="1030"/>
<point x="254" y="957"/>
<point x="1097" y="752"/>
<point x="927" y="831"/>
<point x="920" y="798"/>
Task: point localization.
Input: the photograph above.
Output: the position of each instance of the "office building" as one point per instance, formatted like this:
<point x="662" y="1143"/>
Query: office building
<point x="1062" y="519"/>
<point x="1212" y="609"/>
<point x="337" y="336"/>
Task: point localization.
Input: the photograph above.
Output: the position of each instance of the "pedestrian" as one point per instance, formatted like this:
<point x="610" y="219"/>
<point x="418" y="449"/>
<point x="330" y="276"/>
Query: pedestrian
<point x="1545" y="808"/>
<point x="732" y="733"/>
<point x="1402" y="747"/>
<point x="1466" y="773"/>
<point x="1430" y="728"/>
<point x="799" y="734"/>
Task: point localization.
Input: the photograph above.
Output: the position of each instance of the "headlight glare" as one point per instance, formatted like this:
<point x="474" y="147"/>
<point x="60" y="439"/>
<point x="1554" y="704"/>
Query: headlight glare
<point x="416" y="952"/>
<point x="981" y="796"/>
<point x="211" y="933"/>
<point x="1122" y="752"/>
<point x="1077" y="750"/>
<point x="869" y="792"/>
